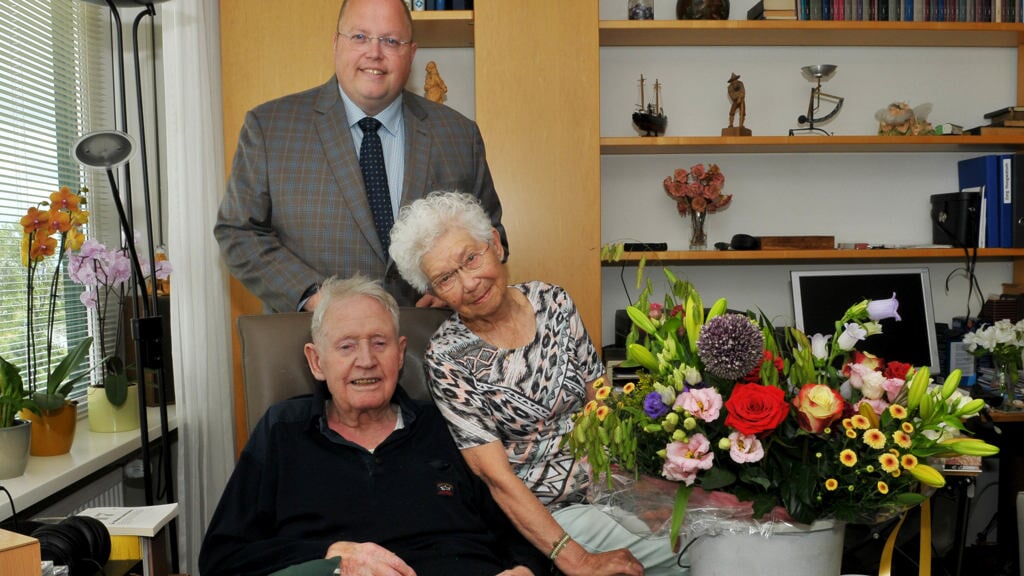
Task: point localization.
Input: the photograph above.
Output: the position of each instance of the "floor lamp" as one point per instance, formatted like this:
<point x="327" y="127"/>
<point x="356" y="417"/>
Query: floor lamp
<point x="108" y="150"/>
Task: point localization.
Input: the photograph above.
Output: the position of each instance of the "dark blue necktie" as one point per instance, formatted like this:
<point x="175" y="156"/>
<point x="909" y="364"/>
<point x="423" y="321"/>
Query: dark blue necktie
<point x="375" y="176"/>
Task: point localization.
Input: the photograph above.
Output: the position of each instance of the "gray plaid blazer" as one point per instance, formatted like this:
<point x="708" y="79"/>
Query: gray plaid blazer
<point x="295" y="211"/>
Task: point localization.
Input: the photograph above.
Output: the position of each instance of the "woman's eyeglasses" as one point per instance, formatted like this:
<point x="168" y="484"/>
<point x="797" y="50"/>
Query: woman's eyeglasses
<point x="473" y="261"/>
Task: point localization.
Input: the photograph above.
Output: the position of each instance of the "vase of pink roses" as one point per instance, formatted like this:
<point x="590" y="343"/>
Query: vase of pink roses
<point x="697" y="192"/>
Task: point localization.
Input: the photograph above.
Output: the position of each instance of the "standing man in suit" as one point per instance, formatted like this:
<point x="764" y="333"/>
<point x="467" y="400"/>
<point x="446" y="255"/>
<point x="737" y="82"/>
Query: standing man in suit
<point x="296" y="209"/>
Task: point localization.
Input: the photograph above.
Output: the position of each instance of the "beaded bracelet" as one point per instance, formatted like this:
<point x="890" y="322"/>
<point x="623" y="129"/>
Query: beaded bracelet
<point x="558" y="546"/>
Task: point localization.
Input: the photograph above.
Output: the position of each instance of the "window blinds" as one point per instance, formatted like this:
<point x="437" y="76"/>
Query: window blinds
<point x="55" y="84"/>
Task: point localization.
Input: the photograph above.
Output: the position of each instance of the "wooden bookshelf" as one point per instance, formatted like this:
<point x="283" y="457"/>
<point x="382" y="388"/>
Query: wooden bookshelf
<point x="808" y="144"/>
<point x="443" y="29"/>
<point x="882" y="254"/>
<point x="807" y="33"/>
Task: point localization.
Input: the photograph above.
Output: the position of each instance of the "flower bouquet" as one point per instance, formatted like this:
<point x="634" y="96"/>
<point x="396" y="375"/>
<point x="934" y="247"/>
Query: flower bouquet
<point x="699" y="190"/>
<point x="1004" y="341"/>
<point x="800" y="430"/>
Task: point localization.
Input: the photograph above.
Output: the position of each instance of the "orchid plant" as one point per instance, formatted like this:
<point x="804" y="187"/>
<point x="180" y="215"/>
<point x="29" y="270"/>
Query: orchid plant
<point x="804" y="429"/>
<point x="105" y="273"/>
<point x="50" y="229"/>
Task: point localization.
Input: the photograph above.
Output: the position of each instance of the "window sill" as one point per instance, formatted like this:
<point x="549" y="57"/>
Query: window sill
<point x="90" y="453"/>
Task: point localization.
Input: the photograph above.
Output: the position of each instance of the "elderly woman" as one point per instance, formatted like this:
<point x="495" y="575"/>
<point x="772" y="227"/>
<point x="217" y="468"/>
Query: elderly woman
<point x="508" y="370"/>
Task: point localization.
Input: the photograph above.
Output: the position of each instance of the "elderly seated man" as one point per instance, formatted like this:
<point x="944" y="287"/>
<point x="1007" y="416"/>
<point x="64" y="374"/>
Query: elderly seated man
<point x="359" y="470"/>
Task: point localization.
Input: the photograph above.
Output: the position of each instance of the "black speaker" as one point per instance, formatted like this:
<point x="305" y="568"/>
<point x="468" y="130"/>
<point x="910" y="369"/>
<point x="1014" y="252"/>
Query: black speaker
<point x="955" y="219"/>
<point x="79" y="542"/>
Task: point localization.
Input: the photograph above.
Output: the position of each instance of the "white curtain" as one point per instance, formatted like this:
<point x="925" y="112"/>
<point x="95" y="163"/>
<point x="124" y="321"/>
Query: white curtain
<point x="201" y="339"/>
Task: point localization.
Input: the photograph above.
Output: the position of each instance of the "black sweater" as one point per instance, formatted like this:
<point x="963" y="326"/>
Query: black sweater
<point x="298" y="487"/>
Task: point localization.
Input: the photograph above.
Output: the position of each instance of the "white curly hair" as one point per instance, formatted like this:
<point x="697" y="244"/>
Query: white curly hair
<point x="421" y="223"/>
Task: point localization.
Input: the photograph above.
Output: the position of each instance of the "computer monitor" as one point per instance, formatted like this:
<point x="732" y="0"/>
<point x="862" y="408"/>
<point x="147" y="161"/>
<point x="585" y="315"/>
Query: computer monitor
<point x="820" y="297"/>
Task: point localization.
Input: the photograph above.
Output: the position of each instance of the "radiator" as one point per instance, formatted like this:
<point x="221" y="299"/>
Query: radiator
<point x="107" y="490"/>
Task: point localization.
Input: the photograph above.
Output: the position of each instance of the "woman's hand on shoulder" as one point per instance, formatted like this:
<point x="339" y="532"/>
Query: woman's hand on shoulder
<point x="368" y="559"/>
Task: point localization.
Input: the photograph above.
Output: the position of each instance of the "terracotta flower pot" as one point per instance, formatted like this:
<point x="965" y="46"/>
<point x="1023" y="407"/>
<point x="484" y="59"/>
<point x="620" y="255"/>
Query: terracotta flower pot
<point x="53" y="431"/>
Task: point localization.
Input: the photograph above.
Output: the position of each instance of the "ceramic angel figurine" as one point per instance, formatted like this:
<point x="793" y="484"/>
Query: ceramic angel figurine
<point x="899" y="119"/>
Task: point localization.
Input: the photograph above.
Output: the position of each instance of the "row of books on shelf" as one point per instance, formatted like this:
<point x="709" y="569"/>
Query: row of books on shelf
<point x="416" y="5"/>
<point x="890" y="10"/>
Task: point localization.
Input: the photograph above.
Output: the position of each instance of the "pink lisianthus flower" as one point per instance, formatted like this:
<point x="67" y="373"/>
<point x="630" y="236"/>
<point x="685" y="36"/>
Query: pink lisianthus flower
<point x="684" y="460"/>
<point x="744" y="448"/>
<point x="869" y="382"/>
<point x="893" y="387"/>
<point x="878" y="405"/>
<point x="702" y="403"/>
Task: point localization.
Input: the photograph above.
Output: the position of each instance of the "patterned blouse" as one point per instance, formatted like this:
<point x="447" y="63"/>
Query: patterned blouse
<point x="523" y="397"/>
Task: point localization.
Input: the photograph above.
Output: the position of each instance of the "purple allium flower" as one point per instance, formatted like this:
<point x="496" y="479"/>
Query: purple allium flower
<point x="730" y="346"/>
<point x="654" y="406"/>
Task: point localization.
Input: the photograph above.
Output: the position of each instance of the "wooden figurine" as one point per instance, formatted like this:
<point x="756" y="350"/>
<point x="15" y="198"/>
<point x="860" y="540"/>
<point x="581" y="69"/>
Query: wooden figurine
<point x="738" y="96"/>
<point x="434" y="88"/>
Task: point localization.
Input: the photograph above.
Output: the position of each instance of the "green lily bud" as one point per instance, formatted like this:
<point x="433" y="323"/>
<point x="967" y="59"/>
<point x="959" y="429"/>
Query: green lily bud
<point x="692" y="324"/>
<point x="970" y="446"/>
<point x="679" y="436"/>
<point x="689" y="423"/>
<point x="652" y="428"/>
<point x="724" y="443"/>
<point x="641" y="319"/>
<point x="971" y="408"/>
<point x="662" y="453"/>
<point x="642" y="356"/>
<point x="927" y="406"/>
<point x="951" y="384"/>
<point x="717" y="309"/>
<point x="918" y="386"/>
<point x="925" y="474"/>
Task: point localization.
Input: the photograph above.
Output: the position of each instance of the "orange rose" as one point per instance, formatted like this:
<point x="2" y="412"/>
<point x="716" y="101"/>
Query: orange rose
<point x="818" y="406"/>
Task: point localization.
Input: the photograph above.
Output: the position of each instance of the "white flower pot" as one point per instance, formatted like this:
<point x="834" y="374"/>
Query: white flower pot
<point x="105" y="417"/>
<point x="815" y="550"/>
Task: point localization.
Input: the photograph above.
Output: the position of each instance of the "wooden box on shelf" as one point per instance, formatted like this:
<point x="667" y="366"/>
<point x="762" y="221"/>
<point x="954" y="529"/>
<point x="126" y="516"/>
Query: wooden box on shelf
<point x="798" y="242"/>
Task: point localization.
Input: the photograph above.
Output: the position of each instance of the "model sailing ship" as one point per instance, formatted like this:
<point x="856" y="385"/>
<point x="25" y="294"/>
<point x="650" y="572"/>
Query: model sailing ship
<point x="650" y="118"/>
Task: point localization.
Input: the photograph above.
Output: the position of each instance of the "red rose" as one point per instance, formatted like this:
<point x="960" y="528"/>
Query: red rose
<point x="754" y="408"/>
<point x="897" y="370"/>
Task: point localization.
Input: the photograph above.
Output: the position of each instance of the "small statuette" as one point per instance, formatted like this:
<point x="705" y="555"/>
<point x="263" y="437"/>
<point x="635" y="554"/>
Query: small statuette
<point x="738" y="97"/>
<point x="434" y="88"/>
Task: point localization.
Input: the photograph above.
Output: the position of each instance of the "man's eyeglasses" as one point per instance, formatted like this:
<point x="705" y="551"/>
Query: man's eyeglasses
<point x="473" y="261"/>
<point x="387" y="43"/>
